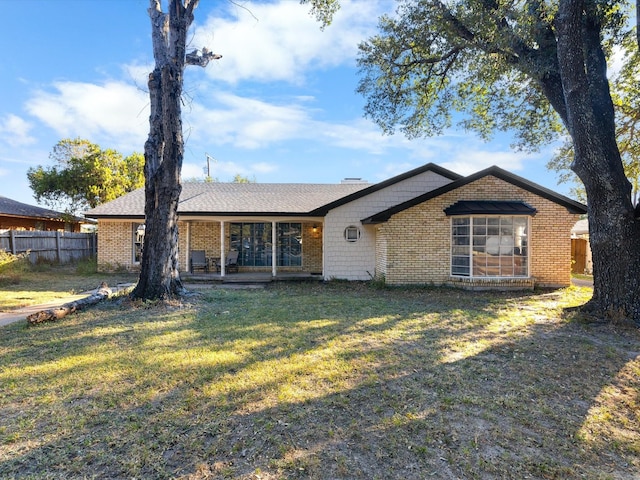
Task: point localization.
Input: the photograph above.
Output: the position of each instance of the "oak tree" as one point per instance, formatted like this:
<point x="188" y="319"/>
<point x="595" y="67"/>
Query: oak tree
<point x="84" y="176"/>
<point x="531" y="67"/>
<point x="625" y="93"/>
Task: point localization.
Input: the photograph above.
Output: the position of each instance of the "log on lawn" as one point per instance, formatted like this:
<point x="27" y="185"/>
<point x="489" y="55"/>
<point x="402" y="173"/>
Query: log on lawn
<point x="57" y="313"/>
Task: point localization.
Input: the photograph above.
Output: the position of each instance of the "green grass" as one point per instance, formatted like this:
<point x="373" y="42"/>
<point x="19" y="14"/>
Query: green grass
<point x="23" y="284"/>
<point x="320" y="381"/>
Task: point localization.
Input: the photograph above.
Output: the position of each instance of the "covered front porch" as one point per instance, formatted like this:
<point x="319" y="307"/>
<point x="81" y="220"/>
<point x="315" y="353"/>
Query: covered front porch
<point x="276" y="248"/>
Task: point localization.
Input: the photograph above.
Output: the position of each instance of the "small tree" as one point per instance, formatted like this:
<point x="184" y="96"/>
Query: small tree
<point x="85" y="176"/>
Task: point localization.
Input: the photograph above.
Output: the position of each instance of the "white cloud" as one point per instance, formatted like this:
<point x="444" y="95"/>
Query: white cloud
<point x="281" y="41"/>
<point x="251" y="123"/>
<point x="15" y="131"/>
<point x="113" y="112"/>
<point x="192" y="170"/>
<point x="225" y="171"/>
<point x="467" y="161"/>
<point x="245" y="122"/>
<point x="263" y="167"/>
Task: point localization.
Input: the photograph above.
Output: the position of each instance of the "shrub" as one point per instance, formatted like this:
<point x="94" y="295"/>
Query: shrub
<point x="87" y="266"/>
<point x="10" y="263"/>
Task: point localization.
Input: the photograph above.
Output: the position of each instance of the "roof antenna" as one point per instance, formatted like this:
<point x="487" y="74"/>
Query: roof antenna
<point x="209" y="159"/>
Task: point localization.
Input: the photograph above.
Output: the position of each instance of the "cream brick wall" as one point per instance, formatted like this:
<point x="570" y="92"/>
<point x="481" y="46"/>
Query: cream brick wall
<point x="115" y="245"/>
<point x="312" y="247"/>
<point x="418" y="239"/>
<point x="357" y="260"/>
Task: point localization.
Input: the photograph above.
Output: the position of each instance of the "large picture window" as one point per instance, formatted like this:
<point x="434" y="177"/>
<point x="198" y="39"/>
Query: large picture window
<point x="489" y="246"/>
<point x="253" y="242"/>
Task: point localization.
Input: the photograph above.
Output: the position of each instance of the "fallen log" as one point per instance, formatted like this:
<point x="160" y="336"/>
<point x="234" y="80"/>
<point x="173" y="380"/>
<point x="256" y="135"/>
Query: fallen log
<point x="51" y="315"/>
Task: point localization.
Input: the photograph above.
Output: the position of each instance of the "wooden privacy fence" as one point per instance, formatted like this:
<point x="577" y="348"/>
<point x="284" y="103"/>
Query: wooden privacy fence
<point x="59" y="247"/>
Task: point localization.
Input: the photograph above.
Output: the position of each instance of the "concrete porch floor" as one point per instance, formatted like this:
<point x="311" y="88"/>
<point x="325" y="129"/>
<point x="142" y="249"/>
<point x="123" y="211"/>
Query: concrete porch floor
<point x="249" y="277"/>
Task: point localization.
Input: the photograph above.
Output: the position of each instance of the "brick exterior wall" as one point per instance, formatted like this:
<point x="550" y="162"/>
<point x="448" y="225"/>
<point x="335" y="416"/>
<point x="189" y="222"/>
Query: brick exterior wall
<point x="418" y="239"/>
<point x="115" y="245"/>
<point x="311" y="248"/>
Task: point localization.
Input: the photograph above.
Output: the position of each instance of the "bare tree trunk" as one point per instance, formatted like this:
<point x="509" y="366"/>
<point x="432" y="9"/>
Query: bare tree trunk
<point x="163" y="152"/>
<point x="164" y="149"/>
<point x="614" y="230"/>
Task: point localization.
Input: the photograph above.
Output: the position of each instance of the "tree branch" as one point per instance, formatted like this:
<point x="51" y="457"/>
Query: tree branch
<point x="201" y="60"/>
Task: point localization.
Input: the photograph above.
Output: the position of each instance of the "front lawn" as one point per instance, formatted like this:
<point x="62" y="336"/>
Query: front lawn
<point x="323" y="381"/>
<point x="23" y="284"/>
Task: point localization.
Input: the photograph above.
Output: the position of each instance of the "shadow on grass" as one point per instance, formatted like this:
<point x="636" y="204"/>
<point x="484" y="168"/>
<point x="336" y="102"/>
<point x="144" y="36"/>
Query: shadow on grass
<point x="322" y="382"/>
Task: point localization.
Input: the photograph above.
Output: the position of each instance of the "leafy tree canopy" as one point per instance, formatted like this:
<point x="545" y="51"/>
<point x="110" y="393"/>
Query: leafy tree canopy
<point x="237" y="178"/>
<point x="85" y="176"/>
<point x="489" y="62"/>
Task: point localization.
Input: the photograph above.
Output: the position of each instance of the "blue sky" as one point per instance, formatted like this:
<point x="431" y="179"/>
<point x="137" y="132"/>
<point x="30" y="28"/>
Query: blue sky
<point x="280" y="106"/>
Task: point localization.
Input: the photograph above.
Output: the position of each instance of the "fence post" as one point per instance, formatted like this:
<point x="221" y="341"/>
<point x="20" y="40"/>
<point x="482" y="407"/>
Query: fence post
<point x="58" y="248"/>
<point x="12" y="241"/>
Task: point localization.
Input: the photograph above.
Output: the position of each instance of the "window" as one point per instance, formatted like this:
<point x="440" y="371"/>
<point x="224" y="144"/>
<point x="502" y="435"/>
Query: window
<point x="352" y="234"/>
<point x="253" y="242"/>
<point x="138" y="241"/>
<point x="489" y="246"/>
<point x="289" y="244"/>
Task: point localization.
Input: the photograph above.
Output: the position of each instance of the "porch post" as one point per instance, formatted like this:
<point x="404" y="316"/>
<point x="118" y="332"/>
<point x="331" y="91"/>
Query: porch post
<point x="187" y="253"/>
<point x="274" y="239"/>
<point x="222" y="256"/>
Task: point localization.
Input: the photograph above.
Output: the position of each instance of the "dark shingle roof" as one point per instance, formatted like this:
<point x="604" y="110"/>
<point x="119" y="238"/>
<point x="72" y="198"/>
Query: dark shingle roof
<point x="483" y="207"/>
<point x="236" y="198"/>
<point x="13" y="208"/>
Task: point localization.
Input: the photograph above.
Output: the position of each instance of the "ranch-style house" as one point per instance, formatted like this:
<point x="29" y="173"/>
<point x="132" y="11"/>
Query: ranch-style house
<point x="428" y="226"/>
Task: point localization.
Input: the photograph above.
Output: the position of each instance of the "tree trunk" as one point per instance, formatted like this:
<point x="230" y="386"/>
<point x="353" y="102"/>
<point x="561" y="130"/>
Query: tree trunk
<point x="163" y="152"/>
<point x="51" y="315"/>
<point x="613" y="229"/>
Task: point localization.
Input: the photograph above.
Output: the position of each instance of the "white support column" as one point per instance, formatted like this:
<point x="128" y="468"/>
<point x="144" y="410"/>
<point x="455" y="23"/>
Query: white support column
<point x="324" y="242"/>
<point x="274" y="249"/>
<point x="222" y="255"/>
<point x="188" y="247"/>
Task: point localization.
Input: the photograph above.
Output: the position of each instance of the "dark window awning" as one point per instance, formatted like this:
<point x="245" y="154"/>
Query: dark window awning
<point x="483" y="207"/>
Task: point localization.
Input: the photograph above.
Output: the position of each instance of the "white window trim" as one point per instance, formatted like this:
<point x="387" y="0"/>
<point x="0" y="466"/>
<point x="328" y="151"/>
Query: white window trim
<point x="354" y="229"/>
<point x="486" y="277"/>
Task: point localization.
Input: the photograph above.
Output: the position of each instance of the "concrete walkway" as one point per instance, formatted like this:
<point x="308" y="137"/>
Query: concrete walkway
<point x="582" y="282"/>
<point x="22" y="313"/>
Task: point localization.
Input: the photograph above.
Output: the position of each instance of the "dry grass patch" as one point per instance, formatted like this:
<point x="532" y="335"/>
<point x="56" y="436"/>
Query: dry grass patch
<point x="337" y="381"/>
<point x="23" y="284"/>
